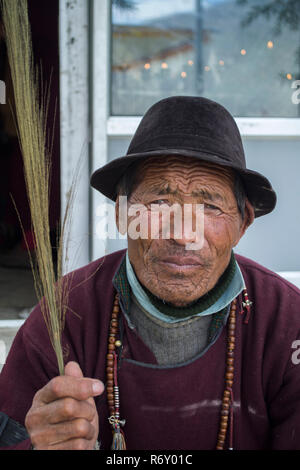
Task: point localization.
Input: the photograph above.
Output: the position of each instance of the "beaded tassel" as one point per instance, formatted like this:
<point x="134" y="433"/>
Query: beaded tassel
<point x="247" y="305"/>
<point x="118" y="442"/>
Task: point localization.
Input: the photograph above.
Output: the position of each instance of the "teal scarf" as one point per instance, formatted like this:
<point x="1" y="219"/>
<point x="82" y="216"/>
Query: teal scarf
<point x="229" y="286"/>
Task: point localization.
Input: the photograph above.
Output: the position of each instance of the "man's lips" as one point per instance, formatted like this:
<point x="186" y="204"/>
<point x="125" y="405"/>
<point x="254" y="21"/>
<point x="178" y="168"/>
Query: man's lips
<point x="181" y="261"/>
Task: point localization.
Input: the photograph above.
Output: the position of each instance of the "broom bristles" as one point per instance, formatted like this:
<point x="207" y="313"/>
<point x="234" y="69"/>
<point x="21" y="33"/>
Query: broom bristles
<point x="31" y="105"/>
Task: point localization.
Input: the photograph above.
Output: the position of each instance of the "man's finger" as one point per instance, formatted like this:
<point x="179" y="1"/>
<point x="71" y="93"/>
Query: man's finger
<point x="62" y="432"/>
<point x="73" y="444"/>
<point x="65" y="386"/>
<point x="67" y="409"/>
<point x="73" y="369"/>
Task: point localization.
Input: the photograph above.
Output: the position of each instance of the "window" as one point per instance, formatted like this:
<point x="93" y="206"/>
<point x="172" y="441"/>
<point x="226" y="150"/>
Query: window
<point x="219" y="49"/>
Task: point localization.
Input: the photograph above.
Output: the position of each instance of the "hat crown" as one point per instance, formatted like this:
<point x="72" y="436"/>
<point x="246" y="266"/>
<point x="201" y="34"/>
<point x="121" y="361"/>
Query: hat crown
<point x="196" y="123"/>
<point x="193" y="127"/>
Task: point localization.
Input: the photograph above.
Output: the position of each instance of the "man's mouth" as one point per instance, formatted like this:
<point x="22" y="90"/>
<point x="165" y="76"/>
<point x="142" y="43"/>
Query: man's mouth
<point x="181" y="263"/>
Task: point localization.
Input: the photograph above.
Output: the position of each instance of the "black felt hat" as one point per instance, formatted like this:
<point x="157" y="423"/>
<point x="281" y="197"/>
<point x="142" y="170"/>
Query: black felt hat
<point x="191" y="127"/>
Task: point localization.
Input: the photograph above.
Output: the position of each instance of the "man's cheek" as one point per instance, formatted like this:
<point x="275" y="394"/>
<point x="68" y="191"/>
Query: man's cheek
<point x="219" y="232"/>
<point x="138" y="226"/>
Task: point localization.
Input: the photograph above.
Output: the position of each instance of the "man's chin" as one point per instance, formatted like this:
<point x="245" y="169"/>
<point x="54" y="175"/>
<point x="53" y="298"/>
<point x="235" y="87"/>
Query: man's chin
<point x="177" y="297"/>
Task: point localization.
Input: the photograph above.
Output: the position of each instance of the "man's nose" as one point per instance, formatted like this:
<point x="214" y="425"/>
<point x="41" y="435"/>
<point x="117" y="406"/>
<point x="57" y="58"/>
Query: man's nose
<point x="191" y="231"/>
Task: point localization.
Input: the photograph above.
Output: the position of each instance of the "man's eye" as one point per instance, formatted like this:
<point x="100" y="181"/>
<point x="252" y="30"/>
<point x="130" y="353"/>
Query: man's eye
<point x="160" y="201"/>
<point x="211" y="207"/>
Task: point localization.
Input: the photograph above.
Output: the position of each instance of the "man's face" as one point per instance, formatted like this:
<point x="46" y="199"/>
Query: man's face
<point x="164" y="266"/>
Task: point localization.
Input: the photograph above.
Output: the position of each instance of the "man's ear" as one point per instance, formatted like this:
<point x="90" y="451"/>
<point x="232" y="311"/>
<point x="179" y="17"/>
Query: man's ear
<point x="121" y="214"/>
<point x="117" y="211"/>
<point x="248" y="217"/>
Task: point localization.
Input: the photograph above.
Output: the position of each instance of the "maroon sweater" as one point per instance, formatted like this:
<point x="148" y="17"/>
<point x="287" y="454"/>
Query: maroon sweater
<point x="173" y="407"/>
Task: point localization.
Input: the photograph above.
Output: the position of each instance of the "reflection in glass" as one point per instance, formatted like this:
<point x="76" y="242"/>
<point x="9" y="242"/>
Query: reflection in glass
<point x="225" y="50"/>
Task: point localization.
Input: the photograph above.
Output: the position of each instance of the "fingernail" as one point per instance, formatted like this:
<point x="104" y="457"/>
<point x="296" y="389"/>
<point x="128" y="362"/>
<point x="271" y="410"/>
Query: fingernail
<point x="97" y="387"/>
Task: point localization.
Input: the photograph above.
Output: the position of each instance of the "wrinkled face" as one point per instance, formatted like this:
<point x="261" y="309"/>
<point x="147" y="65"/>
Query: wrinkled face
<point x="164" y="266"/>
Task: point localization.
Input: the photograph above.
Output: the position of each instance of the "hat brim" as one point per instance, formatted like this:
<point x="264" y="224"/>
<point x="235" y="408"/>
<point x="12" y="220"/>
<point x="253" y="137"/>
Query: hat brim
<point x="258" y="188"/>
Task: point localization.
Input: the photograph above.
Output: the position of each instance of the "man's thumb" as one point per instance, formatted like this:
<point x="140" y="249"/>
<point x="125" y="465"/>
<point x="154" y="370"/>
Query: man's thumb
<point x="72" y="369"/>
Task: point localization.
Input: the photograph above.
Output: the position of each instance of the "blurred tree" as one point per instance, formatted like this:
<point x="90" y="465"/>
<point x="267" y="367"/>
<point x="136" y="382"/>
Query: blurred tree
<point x="285" y="13"/>
<point x="124" y="4"/>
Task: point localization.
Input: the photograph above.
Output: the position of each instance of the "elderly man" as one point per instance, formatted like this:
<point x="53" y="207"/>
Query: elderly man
<point x="193" y="343"/>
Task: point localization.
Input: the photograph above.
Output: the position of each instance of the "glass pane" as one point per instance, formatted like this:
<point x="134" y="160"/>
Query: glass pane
<point x="208" y="48"/>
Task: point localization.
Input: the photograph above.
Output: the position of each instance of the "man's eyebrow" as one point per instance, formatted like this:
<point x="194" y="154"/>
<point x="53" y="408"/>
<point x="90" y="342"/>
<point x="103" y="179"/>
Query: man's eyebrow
<point x="167" y="190"/>
<point x="211" y="196"/>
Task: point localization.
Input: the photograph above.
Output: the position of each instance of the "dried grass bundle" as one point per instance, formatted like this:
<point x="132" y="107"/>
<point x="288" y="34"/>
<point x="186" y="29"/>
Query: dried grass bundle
<point x="31" y="103"/>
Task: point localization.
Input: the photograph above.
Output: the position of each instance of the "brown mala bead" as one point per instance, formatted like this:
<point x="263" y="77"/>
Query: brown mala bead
<point x="221" y="440"/>
<point x="229" y="376"/>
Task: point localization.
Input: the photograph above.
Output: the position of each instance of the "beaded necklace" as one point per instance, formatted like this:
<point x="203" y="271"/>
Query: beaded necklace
<point x="226" y="414"/>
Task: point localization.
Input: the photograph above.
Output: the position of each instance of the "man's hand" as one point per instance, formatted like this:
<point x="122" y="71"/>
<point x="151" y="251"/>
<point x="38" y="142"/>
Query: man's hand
<point x="63" y="414"/>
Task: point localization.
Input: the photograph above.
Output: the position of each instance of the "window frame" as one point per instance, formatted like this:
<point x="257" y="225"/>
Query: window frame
<point x="275" y="128"/>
